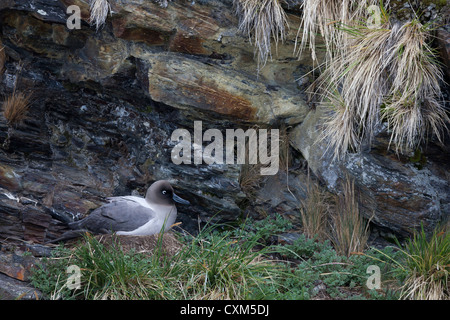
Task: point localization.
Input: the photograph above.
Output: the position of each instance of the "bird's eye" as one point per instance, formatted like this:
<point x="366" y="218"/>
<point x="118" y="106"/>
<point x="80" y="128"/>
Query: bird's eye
<point x="164" y="192"/>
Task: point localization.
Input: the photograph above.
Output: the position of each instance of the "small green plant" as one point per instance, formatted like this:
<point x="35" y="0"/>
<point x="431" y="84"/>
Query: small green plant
<point x="50" y="274"/>
<point x="319" y="262"/>
<point x="418" y="159"/>
<point x="266" y="228"/>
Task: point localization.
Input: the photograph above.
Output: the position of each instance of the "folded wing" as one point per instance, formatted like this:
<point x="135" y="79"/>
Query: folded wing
<point x="120" y="214"/>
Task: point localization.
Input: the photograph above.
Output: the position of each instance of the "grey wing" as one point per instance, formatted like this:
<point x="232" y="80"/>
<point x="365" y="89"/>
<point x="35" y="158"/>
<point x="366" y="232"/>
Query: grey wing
<point x="118" y="215"/>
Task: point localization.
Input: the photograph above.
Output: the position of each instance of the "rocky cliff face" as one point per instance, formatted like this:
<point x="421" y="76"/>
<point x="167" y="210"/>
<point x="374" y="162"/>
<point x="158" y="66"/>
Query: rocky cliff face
<point x="105" y="103"/>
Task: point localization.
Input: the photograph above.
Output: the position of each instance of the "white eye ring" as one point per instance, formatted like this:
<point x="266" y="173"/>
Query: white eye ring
<point x="164" y="192"/>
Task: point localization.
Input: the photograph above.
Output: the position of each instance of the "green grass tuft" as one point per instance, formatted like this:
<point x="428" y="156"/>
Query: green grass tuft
<point x="243" y="263"/>
<point x="426" y="264"/>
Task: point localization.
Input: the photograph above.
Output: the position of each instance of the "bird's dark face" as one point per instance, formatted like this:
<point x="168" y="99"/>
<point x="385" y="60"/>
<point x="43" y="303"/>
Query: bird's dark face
<point x="161" y="192"/>
<point x="165" y="191"/>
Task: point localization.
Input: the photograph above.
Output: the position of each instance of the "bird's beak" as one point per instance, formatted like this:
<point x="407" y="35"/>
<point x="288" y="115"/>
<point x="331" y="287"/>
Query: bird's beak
<point x="179" y="200"/>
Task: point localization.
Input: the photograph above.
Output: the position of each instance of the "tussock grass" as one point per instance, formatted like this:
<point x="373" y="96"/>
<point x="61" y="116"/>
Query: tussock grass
<point x="110" y="273"/>
<point x="349" y="228"/>
<point x="261" y="20"/>
<point x="222" y="268"/>
<point x="354" y="86"/>
<point x="385" y="73"/>
<point x="16" y="106"/>
<point x="314" y="212"/>
<point x="340" y="130"/>
<point x="324" y="18"/>
<point x="427" y="265"/>
<point x="414" y="101"/>
<point x="99" y="11"/>
<point x="250" y="179"/>
<point x="209" y="266"/>
<point x="388" y="73"/>
<point x="336" y="218"/>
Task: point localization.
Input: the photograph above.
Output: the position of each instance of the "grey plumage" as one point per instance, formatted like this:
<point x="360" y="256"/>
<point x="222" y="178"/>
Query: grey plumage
<point x="118" y="215"/>
<point x="130" y="215"/>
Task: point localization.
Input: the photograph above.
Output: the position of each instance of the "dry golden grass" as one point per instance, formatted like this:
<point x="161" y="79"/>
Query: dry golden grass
<point x="324" y="18"/>
<point x="388" y="73"/>
<point x="384" y="73"/>
<point x="349" y="229"/>
<point x="424" y="287"/>
<point x="314" y="211"/>
<point x="250" y="179"/>
<point x="414" y="105"/>
<point x="261" y="20"/>
<point x="285" y="158"/>
<point x="15" y="107"/>
<point x="354" y="86"/>
<point x="340" y="131"/>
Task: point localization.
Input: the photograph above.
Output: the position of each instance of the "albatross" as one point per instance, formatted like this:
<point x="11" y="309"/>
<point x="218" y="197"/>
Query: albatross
<point x="131" y="215"/>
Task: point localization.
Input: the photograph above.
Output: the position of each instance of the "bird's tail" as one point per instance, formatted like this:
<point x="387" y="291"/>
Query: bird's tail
<point x="68" y="235"/>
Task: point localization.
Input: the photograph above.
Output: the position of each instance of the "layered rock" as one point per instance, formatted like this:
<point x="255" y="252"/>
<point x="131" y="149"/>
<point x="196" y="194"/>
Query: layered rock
<point x="399" y="193"/>
<point x="106" y="102"/>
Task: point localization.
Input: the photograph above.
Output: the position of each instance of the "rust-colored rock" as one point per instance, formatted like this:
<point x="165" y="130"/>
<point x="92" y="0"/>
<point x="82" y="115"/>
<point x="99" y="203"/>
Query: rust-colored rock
<point x="187" y="44"/>
<point x="187" y="83"/>
<point x="9" y="179"/>
<point x="16" y="266"/>
<point x="36" y="224"/>
<point x="148" y="36"/>
<point x="170" y="83"/>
